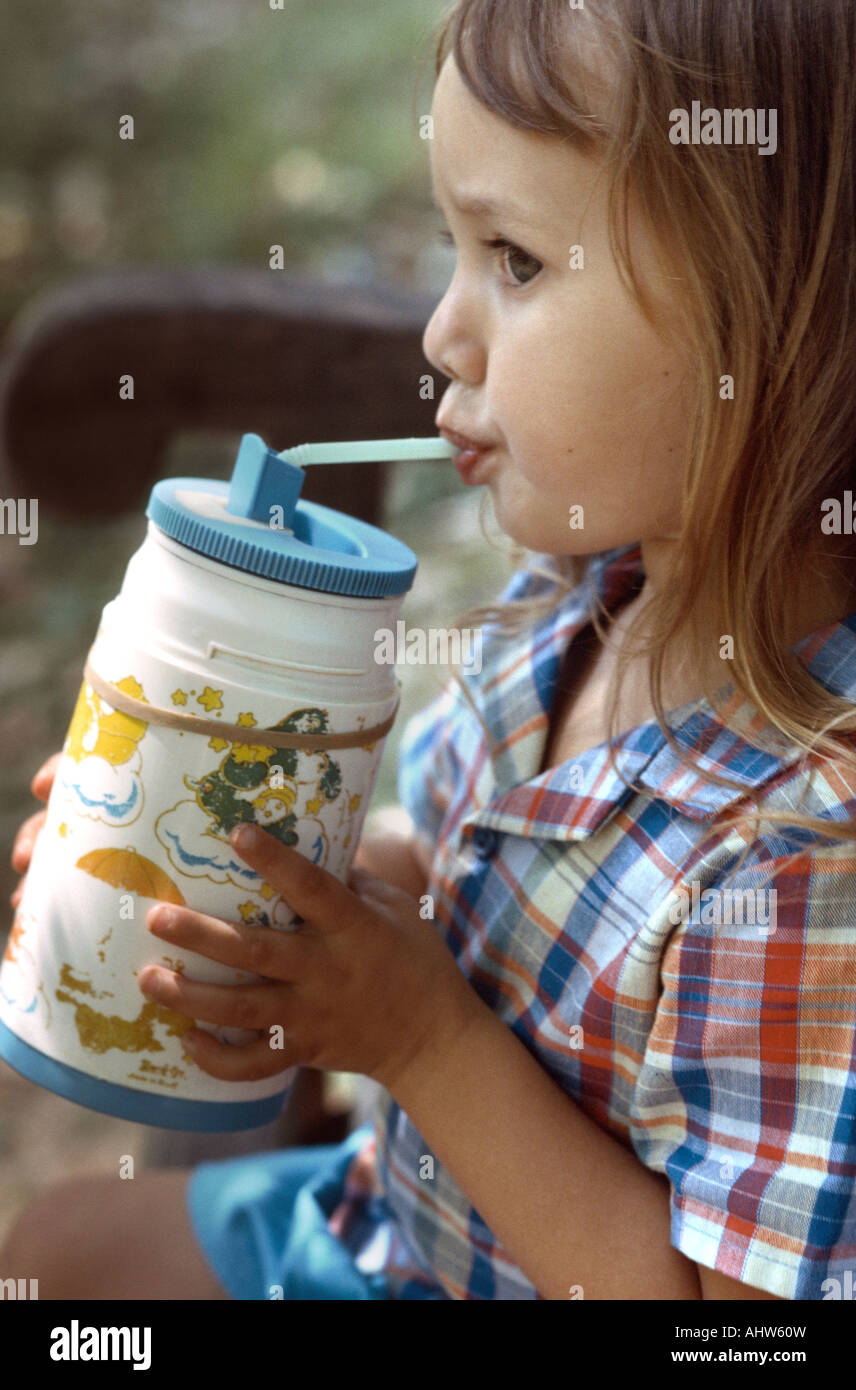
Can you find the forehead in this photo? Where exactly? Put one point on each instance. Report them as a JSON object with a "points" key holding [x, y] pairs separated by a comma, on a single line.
{"points": [[474, 151]]}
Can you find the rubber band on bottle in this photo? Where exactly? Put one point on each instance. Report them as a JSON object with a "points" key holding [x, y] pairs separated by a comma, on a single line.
{"points": [[234, 733]]}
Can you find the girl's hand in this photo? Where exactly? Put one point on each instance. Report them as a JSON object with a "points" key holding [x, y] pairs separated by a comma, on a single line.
{"points": [[22, 850], [364, 985]]}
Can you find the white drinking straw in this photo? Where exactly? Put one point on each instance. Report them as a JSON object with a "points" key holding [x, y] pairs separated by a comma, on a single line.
{"points": [[370, 451]]}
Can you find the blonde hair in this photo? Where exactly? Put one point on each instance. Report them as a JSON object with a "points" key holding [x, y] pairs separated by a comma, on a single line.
{"points": [[765, 248]]}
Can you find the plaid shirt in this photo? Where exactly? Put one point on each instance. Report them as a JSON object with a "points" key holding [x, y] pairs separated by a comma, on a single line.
{"points": [[716, 1042]]}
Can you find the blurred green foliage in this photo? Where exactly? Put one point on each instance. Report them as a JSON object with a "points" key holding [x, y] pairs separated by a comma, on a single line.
{"points": [[252, 127]]}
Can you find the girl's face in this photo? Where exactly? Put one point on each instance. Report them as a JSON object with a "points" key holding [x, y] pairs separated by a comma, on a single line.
{"points": [[556, 366]]}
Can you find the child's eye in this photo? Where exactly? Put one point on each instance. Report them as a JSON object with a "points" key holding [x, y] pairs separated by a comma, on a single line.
{"points": [[503, 246], [508, 251]]}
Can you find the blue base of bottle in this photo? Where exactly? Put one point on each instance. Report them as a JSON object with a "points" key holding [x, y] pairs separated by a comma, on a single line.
{"points": [[205, 1116]]}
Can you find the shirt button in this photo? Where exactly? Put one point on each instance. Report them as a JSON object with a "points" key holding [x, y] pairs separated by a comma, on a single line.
{"points": [[485, 841]]}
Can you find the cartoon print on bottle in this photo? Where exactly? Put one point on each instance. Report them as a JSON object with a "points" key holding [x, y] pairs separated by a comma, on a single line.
{"points": [[21, 988], [287, 791], [100, 1030], [101, 771]]}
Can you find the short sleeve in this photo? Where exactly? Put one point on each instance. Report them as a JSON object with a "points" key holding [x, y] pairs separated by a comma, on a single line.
{"points": [[746, 1098]]}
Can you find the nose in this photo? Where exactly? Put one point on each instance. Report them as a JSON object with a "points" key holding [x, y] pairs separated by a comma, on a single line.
{"points": [[453, 342]]}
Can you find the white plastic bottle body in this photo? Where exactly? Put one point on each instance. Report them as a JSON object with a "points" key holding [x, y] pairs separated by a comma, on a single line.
{"points": [[141, 811]]}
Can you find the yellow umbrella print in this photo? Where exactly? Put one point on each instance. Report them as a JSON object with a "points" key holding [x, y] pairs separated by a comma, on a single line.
{"points": [[125, 868]]}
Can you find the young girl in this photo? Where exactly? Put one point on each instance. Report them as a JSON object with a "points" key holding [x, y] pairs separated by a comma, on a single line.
{"points": [[618, 1062]]}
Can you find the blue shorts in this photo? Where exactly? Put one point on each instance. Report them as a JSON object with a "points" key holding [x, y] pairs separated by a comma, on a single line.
{"points": [[261, 1222]]}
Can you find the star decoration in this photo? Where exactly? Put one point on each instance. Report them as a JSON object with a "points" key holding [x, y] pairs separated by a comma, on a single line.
{"points": [[210, 699], [251, 752]]}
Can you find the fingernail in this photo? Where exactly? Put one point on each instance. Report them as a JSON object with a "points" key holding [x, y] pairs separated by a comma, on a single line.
{"points": [[162, 919], [245, 836]]}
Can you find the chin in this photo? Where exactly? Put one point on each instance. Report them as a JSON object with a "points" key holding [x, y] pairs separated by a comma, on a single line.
{"points": [[538, 538]]}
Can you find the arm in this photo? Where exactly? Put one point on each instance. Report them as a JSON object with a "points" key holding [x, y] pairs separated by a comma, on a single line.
{"points": [[453, 1101], [388, 848], [571, 1205], [366, 986], [716, 1285]]}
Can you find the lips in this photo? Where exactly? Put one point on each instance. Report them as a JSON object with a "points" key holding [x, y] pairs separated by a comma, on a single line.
{"points": [[465, 442]]}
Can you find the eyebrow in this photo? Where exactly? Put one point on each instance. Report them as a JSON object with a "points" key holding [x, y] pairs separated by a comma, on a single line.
{"points": [[489, 207]]}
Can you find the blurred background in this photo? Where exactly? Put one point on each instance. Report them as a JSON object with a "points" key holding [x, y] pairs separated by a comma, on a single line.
{"points": [[297, 126]]}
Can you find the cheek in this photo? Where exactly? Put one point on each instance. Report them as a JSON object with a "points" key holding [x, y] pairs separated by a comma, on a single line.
{"points": [[589, 398], [563, 380], [537, 400]]}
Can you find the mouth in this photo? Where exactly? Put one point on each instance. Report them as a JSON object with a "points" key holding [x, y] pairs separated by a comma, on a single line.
{"points": [[472, 455], [466, 443]]}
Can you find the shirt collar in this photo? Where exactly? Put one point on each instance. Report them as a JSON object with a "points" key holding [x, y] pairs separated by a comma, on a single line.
{"points": [[571, 801]]}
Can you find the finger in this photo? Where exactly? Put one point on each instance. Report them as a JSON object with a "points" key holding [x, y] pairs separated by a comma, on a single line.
{"points": [[232, 1006], [44, 778], [253, 1061], [374, 892], [18, 894], [368, 885], [280, 955], [22, 850], [360, 877], [316, 895]]}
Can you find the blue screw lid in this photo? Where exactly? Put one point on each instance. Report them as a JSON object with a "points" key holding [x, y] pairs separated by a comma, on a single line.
{"points": [[258, 525]]}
